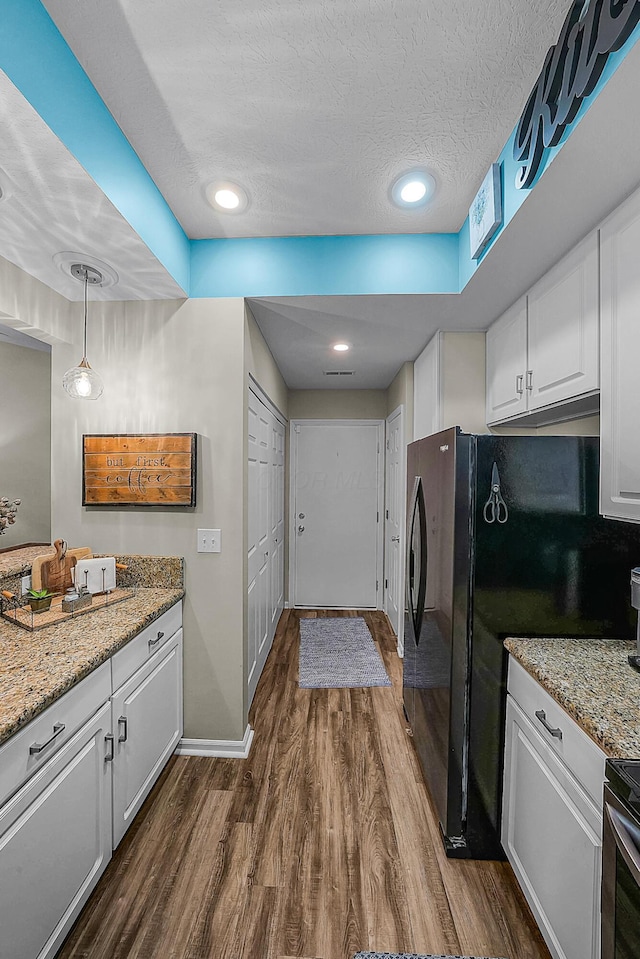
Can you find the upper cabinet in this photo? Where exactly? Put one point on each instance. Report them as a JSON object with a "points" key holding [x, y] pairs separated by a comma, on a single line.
{"points": [[449, 384], [543, 353], [620, 449]]}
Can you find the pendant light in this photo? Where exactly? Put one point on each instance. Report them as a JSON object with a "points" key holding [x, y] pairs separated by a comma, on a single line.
{"points": [[81, 381]]}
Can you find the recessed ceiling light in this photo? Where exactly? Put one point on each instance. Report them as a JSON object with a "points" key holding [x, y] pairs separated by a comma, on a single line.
{"points": [[227, 197], [413, 189], [341, 347]]}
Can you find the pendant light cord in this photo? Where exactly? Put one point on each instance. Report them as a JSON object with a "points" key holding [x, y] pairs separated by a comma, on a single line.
{"points": [[84, 340]]}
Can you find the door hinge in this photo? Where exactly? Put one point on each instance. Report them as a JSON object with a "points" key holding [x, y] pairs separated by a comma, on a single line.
{"points": [[386, 584], [387, 514], [296, 428], [377, 585], [378, 516]]}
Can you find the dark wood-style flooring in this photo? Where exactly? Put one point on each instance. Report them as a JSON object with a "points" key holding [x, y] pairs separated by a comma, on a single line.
{"points": [[321, 844]]}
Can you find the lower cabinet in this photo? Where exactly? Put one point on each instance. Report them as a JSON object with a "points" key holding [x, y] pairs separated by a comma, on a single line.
{"points": [[55, 843], [552, 835], [147, 720], [75, 777]]}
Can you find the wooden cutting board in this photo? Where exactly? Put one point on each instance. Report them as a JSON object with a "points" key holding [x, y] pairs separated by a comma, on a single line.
{"points": [[53, 570]]}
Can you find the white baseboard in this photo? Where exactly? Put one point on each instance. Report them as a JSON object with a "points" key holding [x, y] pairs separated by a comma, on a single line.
{"points": [[222, 748]]}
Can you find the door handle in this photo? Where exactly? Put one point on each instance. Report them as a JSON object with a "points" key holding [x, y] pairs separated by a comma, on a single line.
{"points": [[395, 539]]}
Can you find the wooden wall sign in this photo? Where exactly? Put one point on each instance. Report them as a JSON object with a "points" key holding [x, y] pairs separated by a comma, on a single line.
{"points": [[591, 32], [139, 469]]}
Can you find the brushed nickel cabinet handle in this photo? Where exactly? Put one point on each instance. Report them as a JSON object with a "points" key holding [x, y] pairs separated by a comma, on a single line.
{"points": [[36, 748], [123, 729], [154, 642], [542, 716], [529, 379], [109, 742], [520, 384]]}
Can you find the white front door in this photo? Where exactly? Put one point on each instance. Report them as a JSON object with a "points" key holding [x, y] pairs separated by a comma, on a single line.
{"points": [[394, 523], [336, 505]]}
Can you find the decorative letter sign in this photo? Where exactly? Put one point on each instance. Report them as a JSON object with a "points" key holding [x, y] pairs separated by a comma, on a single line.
{"points": [[139, 469], [593, 30]]}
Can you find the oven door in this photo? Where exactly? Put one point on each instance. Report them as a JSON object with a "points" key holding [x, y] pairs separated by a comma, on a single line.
{"points": [[620, 881]]}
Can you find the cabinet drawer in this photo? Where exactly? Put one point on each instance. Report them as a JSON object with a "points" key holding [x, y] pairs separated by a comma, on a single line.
{"points": [[584, 759], [146, 644], [18, 762]]}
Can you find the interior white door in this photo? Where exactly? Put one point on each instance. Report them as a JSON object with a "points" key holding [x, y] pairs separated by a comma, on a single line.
{"points": [[265, 533], [394, 523], [336, 492]]}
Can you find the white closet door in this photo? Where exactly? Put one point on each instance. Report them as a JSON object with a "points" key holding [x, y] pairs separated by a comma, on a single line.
{"points": [[265, 534]]}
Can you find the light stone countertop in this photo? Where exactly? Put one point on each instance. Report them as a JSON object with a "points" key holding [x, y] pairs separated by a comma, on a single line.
{"points": [[36, 668], [593, 681]]}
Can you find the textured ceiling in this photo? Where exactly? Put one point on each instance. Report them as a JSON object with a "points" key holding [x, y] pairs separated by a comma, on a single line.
{"points": [[313, 107], [50, 205]]}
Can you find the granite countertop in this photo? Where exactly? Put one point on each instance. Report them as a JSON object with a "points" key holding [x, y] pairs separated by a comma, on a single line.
{"points": [[36, 668], [593, 681]]}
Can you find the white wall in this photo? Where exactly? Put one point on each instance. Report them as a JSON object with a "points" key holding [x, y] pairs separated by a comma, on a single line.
{"points": [[25, 442], [167, 366]]}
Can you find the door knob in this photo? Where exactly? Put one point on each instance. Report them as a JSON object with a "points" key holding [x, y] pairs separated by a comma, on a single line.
{"points": [[300, 515], [395, 539], [301, 529]]}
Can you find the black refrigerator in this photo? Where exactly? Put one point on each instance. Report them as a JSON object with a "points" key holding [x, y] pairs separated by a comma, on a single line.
{"points": [[503, 539]]}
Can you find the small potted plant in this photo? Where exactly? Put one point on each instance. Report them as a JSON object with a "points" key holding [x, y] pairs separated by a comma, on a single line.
{"points": [[39, 600]]}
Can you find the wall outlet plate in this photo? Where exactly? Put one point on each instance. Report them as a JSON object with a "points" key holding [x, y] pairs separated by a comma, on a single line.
{"points": [[209, 541]]}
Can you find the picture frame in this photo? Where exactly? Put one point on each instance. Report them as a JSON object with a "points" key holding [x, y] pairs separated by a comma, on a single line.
{"points": [[139, 470], [485, 213]]}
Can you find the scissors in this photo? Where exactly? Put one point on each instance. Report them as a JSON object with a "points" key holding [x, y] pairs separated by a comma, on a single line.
{"points": [[495, 509]]}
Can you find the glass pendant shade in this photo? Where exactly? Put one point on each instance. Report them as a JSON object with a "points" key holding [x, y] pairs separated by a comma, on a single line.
{"points": [[81, 382]]}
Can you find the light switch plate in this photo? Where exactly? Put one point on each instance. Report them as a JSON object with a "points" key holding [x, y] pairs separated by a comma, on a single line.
{"points": [[209, 541]]}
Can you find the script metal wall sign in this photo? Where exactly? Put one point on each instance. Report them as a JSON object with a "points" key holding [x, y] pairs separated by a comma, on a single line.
{"points": [[593, 30], [139, 469]]}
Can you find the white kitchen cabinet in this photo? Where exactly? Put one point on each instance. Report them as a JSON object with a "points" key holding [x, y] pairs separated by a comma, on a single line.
{"points": [[147, 727], [507, 364], [265, 534], [55, 842], [552, 822], [620, 413], [543, 355], [449, 384]]}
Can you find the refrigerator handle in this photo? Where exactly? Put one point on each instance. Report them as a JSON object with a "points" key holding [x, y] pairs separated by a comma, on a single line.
{"points": [[416, 601]]}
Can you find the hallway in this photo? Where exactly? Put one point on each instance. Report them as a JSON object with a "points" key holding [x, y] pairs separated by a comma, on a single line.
{"points": [[321, 844]]}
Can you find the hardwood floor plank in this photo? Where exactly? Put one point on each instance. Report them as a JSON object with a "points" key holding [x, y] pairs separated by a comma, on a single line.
{"points": [[321, 844]]}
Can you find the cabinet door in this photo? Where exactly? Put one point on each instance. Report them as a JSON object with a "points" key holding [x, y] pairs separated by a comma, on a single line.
{"points": [[147, 726], [507, 364], [55, 842], [551, 833], [564, 329], [620, 395], [427, 400]]}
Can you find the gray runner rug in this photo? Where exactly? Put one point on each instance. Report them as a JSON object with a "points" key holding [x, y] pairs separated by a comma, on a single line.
{"points": [[339, 652], [406, 955]]}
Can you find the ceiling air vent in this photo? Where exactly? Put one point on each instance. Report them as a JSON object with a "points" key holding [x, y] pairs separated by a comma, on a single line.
{"points": [[338, 372]]}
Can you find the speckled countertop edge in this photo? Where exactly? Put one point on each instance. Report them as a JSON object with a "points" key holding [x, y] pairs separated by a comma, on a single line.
{"points": [[37, 668], [593, 681]]}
